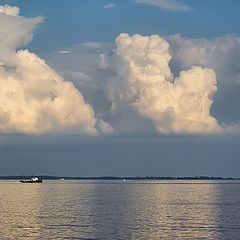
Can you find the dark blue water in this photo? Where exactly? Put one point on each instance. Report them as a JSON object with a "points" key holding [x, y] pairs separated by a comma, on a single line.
{"points": [[120, 210]]}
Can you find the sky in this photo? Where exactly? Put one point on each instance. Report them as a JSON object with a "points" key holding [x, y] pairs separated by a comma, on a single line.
{"points": [[126, 88]]}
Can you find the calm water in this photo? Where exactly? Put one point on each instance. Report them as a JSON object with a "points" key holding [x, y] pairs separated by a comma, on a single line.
{"points": [[120, 210]]}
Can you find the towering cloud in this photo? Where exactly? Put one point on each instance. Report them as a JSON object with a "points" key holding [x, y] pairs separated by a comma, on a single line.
{"points": [[131, 86], [180, 105], [34, 98]]}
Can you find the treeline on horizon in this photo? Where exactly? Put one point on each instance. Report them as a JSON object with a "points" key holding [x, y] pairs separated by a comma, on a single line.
{"points": [[46, 177]]}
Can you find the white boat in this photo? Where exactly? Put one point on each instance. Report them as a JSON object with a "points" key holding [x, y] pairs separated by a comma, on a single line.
{"points": [[32, 180]]}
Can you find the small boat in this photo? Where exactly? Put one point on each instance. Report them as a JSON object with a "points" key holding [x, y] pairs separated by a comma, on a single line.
{"points": [[32, 180]]}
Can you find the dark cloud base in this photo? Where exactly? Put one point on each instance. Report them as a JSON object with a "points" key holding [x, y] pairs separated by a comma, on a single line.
{"points": [[120, 156]]}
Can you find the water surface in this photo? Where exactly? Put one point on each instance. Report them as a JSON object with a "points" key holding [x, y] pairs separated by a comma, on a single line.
{"points": [[120, 210]]}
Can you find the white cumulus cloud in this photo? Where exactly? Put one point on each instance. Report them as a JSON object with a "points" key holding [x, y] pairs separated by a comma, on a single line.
{"points": [[222, 54], [9, 10], [103, 79], [35, 99], [146, 83]]}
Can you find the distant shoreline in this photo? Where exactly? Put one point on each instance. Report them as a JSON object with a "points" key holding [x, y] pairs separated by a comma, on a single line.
{"points": [[46, 177]]}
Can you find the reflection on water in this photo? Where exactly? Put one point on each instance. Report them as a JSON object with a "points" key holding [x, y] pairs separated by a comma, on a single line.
{"points": [[119, 210]]}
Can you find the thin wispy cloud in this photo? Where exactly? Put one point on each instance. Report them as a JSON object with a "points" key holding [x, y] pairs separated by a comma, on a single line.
{"points": [[63, 52], [109, 5], [166, 4]]}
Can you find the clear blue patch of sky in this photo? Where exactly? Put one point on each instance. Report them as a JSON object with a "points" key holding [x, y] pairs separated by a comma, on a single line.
{"points": [[68, 22]]}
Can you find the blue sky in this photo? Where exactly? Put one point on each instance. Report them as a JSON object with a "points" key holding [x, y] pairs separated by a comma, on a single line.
{"points": [[77, 38], [72, 22]]}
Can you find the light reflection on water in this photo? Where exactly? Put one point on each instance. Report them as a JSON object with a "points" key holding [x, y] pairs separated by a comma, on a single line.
{"points": [[119, 210]]}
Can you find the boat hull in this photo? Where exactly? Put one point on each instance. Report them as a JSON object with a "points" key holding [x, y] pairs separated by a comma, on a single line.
{"points": [[30, 181]]}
